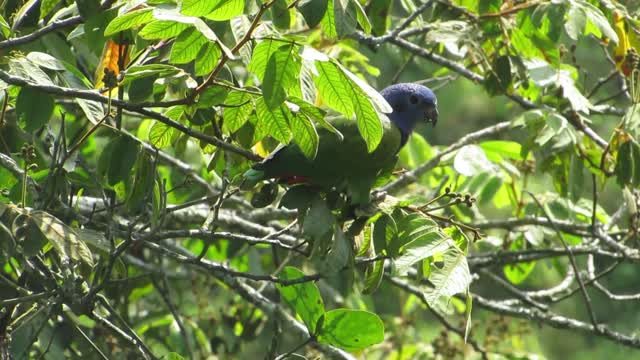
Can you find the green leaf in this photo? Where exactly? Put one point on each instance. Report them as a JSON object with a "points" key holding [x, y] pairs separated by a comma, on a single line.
{"points": [[471, 160], [495, 150], [298, 197], [351, 330], [129, 20], [162, 29], [316, 114], [281, 14], [369, 123], [276, 121], [212, 96], [581, 14], [117, 159], [261, 55], [518, 272], [343, 17], [46, 6], [304, 298], [141, 183], [305, 135], [571, 92], [628, 163], [162, 135], [186, 46], [282, 72], [379, 15], [226, 9], [240, 106], [63, 238], [373, 277], [46, 61], [409, 228], [159, 70], [141, 89], [25, 12], [576, 178], [361, 16], [207, 59], [452, 278], [28, 235], [426, 241], [329, 20], [313, 11], [33, 108], [198, 7], [319, 220], [24, 68], [23, 335], [334, 88]]}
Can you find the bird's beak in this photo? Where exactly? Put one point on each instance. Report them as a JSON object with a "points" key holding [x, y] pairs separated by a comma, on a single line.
{"points": [[431, 114]]}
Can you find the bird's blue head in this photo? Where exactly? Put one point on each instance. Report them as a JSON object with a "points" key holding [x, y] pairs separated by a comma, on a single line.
{"points": [[411, 103]]}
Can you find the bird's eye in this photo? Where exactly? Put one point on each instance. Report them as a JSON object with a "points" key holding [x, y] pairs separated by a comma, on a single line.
{"points": [[413, 99]]}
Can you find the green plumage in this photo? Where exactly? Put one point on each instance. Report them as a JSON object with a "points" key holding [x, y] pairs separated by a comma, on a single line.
{"points": [[345, 164]]}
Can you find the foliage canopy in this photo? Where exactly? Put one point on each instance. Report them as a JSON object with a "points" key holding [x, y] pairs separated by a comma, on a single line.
{"points": [[126, 126]]}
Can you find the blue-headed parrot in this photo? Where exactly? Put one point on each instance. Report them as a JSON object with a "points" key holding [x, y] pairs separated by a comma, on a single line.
{"points": [[346, 164]]}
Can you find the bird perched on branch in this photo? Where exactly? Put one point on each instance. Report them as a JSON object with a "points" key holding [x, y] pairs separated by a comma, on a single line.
{"points": [[345, 163]]}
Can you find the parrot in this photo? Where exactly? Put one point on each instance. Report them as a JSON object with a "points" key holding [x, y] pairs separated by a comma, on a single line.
{"points": [[346, 164]]}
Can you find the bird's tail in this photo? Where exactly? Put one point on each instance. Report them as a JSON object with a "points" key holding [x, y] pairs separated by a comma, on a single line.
{"points": [[251, 178]]}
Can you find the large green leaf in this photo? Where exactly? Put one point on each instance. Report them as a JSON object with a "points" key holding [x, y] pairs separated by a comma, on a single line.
{"points": [[350, 330], [304, 297], [34, 108], [282, 72], [226, 9], [187, 46], [129, 20], [313, 11], [584, 18], [427, 241], [276, 120], [319, 220], [207, 59], [305, 135], [239, 107], [162, 29], [452, 277], [162, 135]]}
